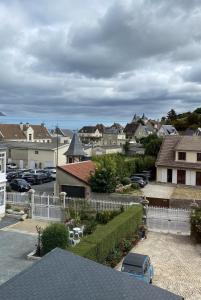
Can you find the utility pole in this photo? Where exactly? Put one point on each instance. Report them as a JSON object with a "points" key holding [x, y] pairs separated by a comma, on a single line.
{"points": [[57, 144]]}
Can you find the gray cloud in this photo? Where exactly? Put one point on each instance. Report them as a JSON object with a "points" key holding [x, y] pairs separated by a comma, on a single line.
{"points": [[103, 60]]}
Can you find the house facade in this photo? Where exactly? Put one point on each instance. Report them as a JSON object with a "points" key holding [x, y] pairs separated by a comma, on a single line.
{"points": [[179, 160], [135, 131], [25, 133], [113, 136], [90, 134], [2, 181], [62, 135], [36, 155]]}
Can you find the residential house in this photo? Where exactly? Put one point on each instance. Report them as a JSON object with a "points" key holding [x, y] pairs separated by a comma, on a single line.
{"points": [[36, 155], [61, 135], [73, 179], [113, 136], [179, 160], [135, 131], [167, 130], [90, 134], [198, 132], [25, 133], [62, 275], [2, 180]]}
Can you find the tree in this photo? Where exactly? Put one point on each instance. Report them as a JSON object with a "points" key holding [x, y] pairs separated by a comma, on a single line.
{"points": [[171, 115], [153, 147], [104, 180]]}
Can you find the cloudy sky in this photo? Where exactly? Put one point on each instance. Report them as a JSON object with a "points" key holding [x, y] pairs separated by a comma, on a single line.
{"points": [[81, 62]]}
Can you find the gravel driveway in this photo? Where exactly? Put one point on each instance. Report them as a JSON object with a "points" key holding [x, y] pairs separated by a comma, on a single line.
{"points": [[176, 261]]}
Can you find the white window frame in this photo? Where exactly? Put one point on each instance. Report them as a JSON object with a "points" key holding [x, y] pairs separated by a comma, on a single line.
{"points": [[2, 162], [2, 195]]}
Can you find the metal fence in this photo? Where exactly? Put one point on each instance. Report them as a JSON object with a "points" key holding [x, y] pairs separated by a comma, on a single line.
{"points": [[17, 198], [168, 220]]}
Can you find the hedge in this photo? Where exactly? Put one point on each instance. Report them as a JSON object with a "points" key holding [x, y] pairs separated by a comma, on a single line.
{"points": [[98, 245], [196, 225]]}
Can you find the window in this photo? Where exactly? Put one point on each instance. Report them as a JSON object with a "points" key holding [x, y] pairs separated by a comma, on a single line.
{"points": [[181, 155], [169, 175], [198, 178], [198, 156], [36, 152], [30, 137], [2, 195], [2, 162]]}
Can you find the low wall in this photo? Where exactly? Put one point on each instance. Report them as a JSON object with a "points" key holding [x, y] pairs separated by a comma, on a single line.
{"points": [[182, 203], [116, 197]]}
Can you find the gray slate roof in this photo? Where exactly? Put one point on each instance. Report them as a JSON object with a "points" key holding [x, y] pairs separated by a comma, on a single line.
{"points": [[61, 275], [75, 148], [30, 145]]}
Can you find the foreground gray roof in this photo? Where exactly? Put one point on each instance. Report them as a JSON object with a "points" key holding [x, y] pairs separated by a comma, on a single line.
{"points": [[61, 275], [75, 148]]}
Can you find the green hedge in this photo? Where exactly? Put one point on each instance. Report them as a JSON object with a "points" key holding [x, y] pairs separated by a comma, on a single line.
{"points": [[196, 225], [98, 245]]}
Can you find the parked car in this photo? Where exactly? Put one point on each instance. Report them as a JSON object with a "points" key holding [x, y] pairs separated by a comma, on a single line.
{"points": [[138, 180], [11, 175], [20, 185], [143, 176], [148, 173], [11, 166], [29, 177], [52, 171], [138, 266]]}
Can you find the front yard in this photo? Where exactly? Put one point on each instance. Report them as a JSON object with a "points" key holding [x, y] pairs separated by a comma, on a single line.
{"points": [[176, 261]]}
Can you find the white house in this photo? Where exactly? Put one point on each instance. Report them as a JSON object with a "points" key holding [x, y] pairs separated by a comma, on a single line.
{"points": [[167, 130], [179, 160], [2, 181]]}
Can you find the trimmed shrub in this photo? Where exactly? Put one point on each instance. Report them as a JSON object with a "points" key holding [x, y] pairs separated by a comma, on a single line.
{"points": [[126, 181], [54, 235], [105, 238]]}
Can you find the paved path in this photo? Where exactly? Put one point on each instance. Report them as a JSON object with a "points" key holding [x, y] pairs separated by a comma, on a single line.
{"points": [[7, 221], [27, 226], [13, 250], [154, 190], [176, 261]]}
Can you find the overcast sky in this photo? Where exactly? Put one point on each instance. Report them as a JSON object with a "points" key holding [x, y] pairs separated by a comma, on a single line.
{"points": [[79, 62]]}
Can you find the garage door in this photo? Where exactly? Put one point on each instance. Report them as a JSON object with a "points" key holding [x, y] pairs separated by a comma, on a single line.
{"points": [[74, 191]]}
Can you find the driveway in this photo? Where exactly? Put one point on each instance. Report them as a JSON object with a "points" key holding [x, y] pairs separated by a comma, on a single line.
{"points": [[155, 190], [14, 247], [176, 261]]}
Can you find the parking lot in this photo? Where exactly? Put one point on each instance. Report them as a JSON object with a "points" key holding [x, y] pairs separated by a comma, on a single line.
{"points": [[176, 261]]}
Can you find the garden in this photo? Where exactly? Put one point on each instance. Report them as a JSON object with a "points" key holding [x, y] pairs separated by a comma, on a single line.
{"points": [[107, 235], [114, 170]]}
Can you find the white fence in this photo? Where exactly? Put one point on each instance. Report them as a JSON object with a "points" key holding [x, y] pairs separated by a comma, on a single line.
{"points": [[52, 208], [168, 220]]}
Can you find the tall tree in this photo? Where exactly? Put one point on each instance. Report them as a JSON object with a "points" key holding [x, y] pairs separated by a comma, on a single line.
{"points": [[171, 115]]}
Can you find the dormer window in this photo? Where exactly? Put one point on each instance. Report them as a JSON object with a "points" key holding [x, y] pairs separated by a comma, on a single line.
{"points": [[199, 156], [181, 155]]}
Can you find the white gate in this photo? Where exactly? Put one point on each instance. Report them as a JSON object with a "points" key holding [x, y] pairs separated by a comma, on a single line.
{"points": [[168, 220], [46, 207]]}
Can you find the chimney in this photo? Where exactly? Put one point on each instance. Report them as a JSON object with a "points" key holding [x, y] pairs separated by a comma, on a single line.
{"points": [[42, 124], [27, 125], [21, 125]]}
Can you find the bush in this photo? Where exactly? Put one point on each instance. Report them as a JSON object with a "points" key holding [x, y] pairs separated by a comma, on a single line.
{"points": [[114, 257], [90, 226], [8, 189], [126, 181], [135, 186], [196, 225], [8, 206], [105, 238], [54, 235]]}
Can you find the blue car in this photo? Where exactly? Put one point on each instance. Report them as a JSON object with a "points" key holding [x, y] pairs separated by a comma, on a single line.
{"points": [[138, 266]]}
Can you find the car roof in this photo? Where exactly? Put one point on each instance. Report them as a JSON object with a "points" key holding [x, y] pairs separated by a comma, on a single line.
{"points": [[135, 259]]}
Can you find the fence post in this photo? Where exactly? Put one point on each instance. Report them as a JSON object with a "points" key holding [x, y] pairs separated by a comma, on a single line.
{"points": [[145, 204], [31, 202], [63, 199]]}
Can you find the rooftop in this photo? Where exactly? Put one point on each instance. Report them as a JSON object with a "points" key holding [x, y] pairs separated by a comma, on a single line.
{"points": [[30, 145], [80, 170], [75, 148], [61, 275]]}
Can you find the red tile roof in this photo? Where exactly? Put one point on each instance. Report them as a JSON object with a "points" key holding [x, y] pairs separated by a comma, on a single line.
{"points": [[80, 170]]}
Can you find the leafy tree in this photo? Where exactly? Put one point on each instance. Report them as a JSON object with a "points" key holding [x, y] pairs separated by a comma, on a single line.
{"points": [[198, 110], [103, 180], [153, 147]]}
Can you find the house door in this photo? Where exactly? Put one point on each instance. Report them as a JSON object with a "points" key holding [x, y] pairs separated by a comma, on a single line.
{"points": [[169, 175], [198, 178], [181, 176]]}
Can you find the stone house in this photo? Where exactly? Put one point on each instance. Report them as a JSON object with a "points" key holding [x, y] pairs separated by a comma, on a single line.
{"points": [[113, 136], [63, 135], [2, 180], [135, 131], [90, 134], [179, 160], [25, 133]]}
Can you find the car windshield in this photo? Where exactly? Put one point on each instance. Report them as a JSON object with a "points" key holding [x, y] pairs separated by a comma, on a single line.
{"points": [[21, 181], [132, 269]]}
